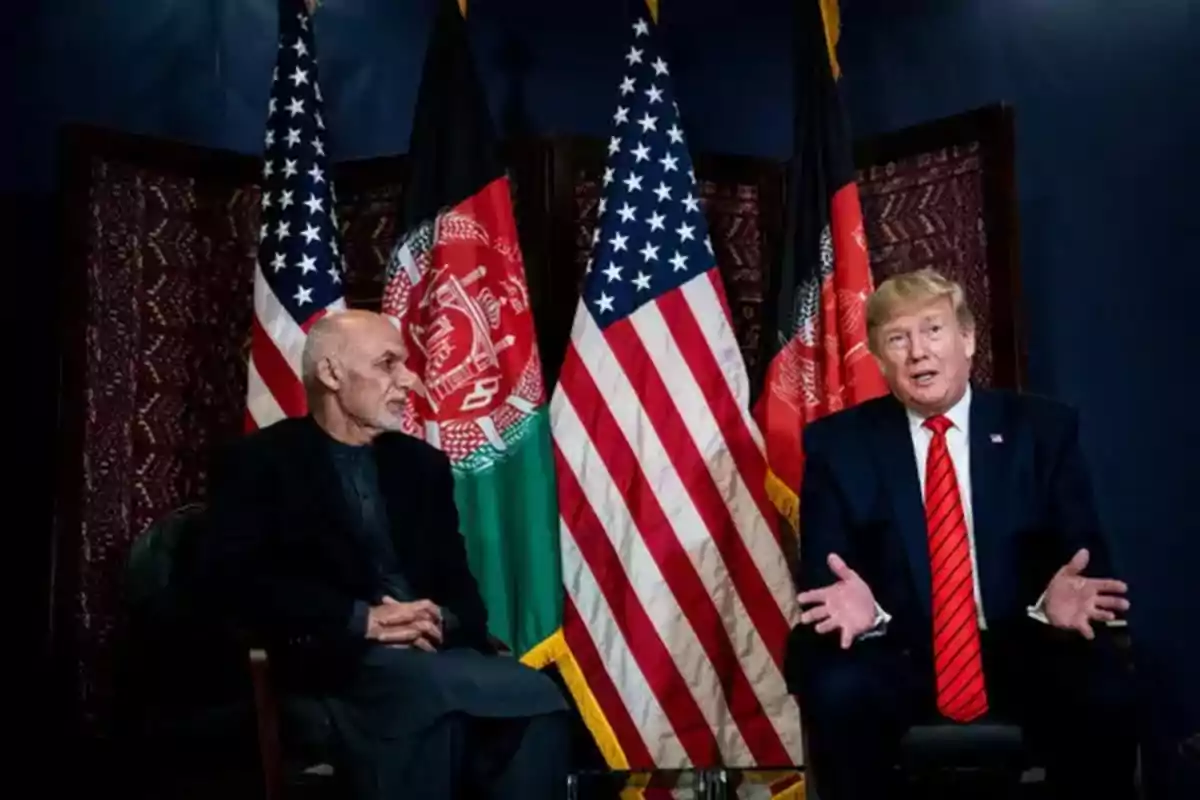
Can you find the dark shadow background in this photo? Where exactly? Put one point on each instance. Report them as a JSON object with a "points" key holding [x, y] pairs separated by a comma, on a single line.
{"points": [[1107, 110]]}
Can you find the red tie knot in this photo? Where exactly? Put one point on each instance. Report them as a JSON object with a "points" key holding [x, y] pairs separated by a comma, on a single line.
{"points": [[939, 424]]}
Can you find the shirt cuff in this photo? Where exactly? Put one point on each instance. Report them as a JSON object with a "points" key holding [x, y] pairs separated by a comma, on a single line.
{"points": [[879, 626], [356, 626], [1038, 610]]}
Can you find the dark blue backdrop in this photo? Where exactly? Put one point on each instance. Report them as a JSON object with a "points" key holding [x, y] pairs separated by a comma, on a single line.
{"points": [[1106, 107]]}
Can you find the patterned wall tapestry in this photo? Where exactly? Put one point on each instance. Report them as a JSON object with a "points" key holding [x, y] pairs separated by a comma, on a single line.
{"points": [[160, 270], [162, 242], [940, 195], [925, 211]]}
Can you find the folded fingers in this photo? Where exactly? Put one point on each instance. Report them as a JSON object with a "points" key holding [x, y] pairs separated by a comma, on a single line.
{"points": [[815, 614], [829, 624], [1112, 603]]}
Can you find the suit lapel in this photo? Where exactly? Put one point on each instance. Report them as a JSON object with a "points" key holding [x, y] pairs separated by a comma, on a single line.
{"points": [[904, 490], [991, 448]]}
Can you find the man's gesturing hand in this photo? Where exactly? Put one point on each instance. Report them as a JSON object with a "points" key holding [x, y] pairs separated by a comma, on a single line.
{"points": [[415, 624], [1072, 601], [846, 605]]}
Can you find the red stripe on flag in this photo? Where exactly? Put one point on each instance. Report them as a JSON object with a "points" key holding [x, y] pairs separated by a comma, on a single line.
{"points": [[700, 359], [314, 319], [750, 460], [583, 650], [587, 658], [655, 399], [718, 283], [645, 644], [277, 375]]}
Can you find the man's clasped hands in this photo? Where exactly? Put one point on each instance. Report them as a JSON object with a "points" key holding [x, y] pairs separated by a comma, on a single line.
{"points": [[414, 624]]}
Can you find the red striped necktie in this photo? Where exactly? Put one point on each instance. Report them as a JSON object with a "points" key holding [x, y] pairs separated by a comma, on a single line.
{"points": [[957, 658]]}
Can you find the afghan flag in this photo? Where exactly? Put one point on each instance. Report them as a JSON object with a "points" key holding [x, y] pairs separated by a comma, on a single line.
{"points": [[456, 283], [819, 360]]}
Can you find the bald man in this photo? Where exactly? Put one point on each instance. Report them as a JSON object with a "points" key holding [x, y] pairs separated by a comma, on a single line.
{"points": [[335, 538]]}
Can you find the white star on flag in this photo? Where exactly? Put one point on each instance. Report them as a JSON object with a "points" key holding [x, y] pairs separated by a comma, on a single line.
{"points": [[299, 274]]}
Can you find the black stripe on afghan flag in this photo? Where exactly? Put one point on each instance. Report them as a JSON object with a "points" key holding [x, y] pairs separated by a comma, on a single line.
{"points": [[452, 147], [822, 164]]}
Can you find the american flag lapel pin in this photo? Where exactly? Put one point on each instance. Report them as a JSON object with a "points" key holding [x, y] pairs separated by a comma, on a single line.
{"points": [[997, 438]]}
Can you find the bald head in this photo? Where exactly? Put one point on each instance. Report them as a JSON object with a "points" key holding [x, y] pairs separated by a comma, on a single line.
{"points": [[353, 369], [328, 339]]}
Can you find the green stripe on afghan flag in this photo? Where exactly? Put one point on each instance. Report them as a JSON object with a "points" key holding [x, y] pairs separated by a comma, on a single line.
{"points": [[456, 282]]}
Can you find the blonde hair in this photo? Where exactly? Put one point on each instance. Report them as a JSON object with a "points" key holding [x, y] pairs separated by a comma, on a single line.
{"points": [[909, 290]]}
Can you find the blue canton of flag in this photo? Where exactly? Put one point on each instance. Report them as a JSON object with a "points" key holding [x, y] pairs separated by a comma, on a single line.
{"points": [[299, 257], [651, 236]]}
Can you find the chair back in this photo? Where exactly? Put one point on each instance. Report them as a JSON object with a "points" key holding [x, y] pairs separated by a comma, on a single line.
{"points": [[153, 593], [173, 640]]}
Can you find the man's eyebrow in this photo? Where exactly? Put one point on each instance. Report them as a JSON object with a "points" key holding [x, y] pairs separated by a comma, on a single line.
{"points": [[392, 352]]}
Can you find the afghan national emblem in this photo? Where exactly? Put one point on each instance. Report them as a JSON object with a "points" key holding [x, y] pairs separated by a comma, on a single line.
{"points": [[457, 285]]}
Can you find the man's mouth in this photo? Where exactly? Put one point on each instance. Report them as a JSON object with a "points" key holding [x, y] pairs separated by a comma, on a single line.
{"points": [[924, 377]]}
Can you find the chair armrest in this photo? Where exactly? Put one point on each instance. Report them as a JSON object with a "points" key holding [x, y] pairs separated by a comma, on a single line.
{"points": [[266, 711]]}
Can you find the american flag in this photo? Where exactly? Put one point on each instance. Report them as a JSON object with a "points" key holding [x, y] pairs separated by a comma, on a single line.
{"points": [[300, 265], [678, 594]]}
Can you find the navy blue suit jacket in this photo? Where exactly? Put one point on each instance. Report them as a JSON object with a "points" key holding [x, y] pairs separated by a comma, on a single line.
{"points": [[1031, 500]]}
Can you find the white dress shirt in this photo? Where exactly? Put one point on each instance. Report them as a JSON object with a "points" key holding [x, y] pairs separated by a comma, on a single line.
{"points": [[958, 442]]}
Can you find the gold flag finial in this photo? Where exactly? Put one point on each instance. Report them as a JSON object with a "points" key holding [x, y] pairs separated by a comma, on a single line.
{"points": [[462, 6], [312, 6], [653, 6]]}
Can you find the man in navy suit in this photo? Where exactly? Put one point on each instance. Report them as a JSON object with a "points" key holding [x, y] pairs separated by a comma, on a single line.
{"points": [[952, 567]]}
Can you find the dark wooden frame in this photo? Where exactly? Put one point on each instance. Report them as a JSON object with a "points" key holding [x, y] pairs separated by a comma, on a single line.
{"points": [[79, 146], [993, 128]]}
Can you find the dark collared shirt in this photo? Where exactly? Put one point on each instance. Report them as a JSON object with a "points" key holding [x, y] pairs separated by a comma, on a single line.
{"points": [[357, 471]]}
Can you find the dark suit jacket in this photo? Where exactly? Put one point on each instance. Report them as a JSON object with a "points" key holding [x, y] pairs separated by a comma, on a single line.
{"points": [[1031, 501], [280, 559]]}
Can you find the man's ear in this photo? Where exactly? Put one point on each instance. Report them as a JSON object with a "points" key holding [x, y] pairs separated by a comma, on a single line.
{"points": [[330, 373], [878, 357], [969, 341]]}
